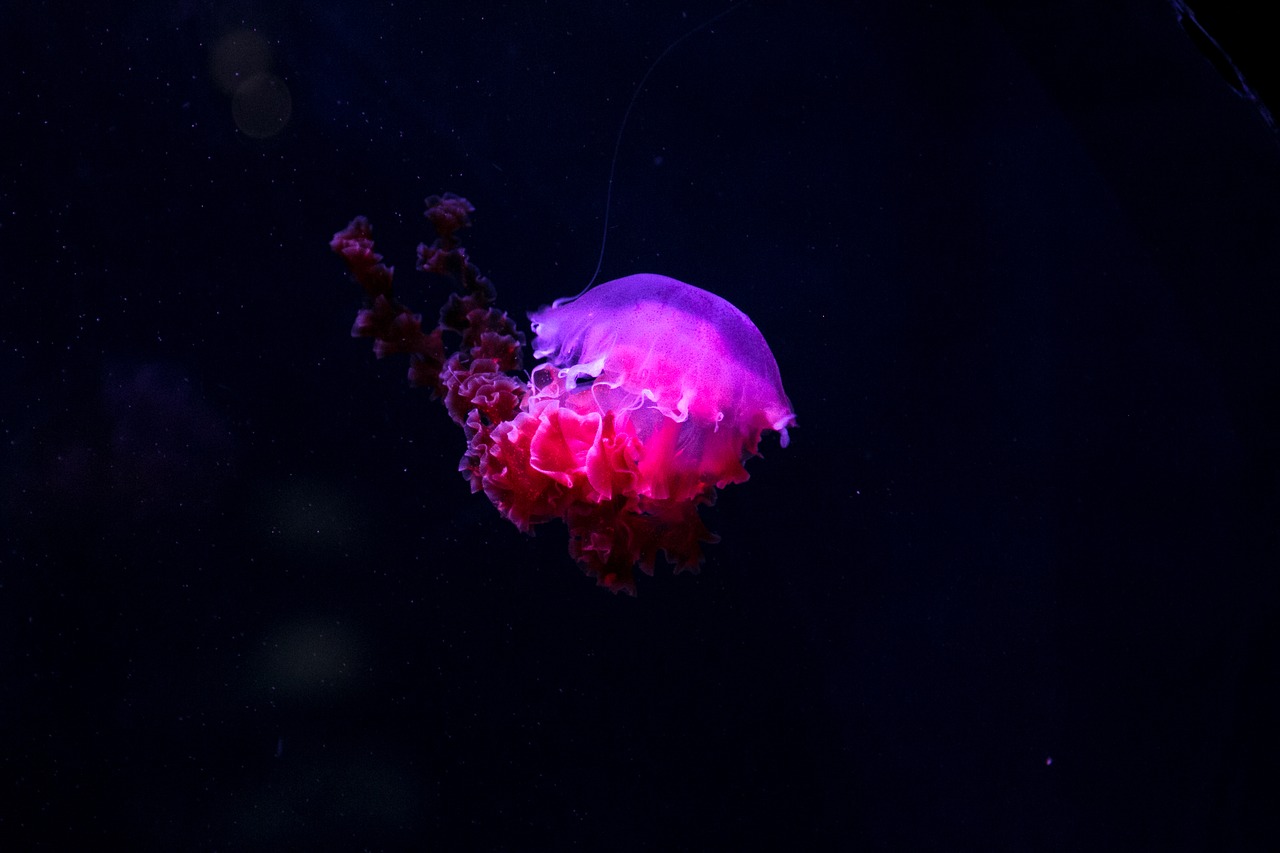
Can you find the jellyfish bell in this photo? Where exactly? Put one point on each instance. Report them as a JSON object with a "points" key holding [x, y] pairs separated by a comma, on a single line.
{"points": [[682, 370]]}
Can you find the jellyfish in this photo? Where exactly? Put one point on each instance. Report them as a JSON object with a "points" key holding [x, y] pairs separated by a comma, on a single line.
{"points": [[650, 396]]}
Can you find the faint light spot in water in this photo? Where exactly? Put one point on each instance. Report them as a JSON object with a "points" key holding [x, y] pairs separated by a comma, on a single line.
{"points": [[307, 658], [240, 65], [261, 106], [238, 56]]}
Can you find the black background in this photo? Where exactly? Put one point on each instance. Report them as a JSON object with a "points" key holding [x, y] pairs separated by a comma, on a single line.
{"points": [[1011, 587]]}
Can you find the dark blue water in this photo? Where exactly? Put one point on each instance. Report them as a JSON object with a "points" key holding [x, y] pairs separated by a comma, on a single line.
{"points": [[1011, 587]]}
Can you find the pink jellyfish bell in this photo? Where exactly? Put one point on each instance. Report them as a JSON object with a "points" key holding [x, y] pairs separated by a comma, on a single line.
{"points": [[683, 372]]}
